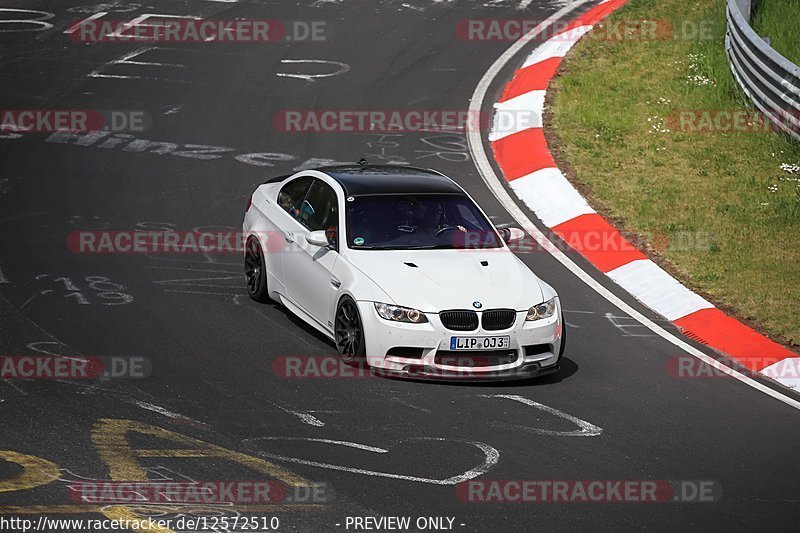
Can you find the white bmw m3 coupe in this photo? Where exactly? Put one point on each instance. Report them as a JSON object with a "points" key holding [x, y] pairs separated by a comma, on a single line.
{"points": [[403, 271]]}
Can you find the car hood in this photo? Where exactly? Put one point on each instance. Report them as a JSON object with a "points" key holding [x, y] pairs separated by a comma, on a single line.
{"points": [[434, 280]]}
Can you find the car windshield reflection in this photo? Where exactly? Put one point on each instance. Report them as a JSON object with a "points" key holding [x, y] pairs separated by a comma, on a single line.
{"points": [[417, 222]]}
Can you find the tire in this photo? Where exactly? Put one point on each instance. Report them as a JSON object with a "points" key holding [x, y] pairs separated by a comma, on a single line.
{"points": [[349, 333], [255, 271]]}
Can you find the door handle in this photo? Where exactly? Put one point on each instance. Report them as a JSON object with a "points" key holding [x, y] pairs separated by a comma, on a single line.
{"points": [[289, 237]]}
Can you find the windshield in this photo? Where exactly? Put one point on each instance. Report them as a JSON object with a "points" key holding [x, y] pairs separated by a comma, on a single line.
{"points": [[408, 222]]}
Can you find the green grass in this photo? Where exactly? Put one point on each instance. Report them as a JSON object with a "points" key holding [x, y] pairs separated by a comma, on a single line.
{"points": [[780, 21], [730, 213]]}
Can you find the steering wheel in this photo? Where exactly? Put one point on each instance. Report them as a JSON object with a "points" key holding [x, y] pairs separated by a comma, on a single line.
{"points": [[445, 228]]}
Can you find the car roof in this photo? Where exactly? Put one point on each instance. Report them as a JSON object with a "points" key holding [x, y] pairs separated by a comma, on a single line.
{"points": [[359, 180]]}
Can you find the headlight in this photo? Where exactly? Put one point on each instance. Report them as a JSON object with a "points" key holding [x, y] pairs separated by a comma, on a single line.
{"points": [[542, 310], [400, 314]]}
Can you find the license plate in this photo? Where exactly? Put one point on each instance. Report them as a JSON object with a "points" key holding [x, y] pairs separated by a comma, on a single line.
{"points": [[480, 343]]}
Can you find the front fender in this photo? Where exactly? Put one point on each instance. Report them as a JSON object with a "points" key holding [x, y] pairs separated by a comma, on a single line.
{"points": [[357, 285]]}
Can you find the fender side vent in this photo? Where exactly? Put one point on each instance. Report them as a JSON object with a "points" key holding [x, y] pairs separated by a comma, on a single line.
{"points": [[412, 265]]}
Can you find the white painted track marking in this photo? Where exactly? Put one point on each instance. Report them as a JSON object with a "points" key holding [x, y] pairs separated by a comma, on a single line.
{"points": [[195, 281], [127, 60], [305, 418], [75, 27], [349, 444], [475, 142], [491, 457], [162, 411], [586, 429], [157, 409], [204, 292], [341, 69], [39, 22]]}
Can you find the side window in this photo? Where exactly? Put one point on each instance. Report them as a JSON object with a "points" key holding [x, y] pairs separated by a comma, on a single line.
{"points": [[291, 196], [319, 210]]}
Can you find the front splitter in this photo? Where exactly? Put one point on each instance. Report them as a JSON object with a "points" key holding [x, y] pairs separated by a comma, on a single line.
{"points": [[429, 373]]}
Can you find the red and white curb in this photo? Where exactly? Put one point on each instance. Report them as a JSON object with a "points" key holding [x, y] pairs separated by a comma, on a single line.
{"points": [[517, 140]]}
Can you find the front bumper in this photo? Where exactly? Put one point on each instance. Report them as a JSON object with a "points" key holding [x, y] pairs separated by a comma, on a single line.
{"points": [[535, 346], [524, 371]]}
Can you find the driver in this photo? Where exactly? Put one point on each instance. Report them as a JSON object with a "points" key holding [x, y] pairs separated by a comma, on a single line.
{"points": [[429, 218]]}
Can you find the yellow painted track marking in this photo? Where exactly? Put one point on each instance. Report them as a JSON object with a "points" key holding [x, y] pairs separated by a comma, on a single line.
{"points": [[36, 471], [110, 437]]}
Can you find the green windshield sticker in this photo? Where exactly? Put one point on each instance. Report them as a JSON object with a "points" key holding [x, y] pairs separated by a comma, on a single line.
{"points": [[358, 241]]}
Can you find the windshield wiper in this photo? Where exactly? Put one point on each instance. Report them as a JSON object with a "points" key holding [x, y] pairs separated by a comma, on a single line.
{"points": [[377, 248], [407, 247]]}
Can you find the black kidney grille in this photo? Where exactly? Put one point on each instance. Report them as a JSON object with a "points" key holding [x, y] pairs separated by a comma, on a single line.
{"points": [[459, 320], [495, 319]]}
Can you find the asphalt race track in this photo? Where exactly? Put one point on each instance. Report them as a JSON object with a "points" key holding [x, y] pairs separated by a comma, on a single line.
{"points": [[382, 447]]}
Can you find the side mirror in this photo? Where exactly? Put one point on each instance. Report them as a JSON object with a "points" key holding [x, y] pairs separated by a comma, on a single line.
{"points": [[332, 235], [510, 235], [317, 238]]}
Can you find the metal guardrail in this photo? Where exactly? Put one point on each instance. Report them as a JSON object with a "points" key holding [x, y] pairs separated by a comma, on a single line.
{"points": [[771, 81]]}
